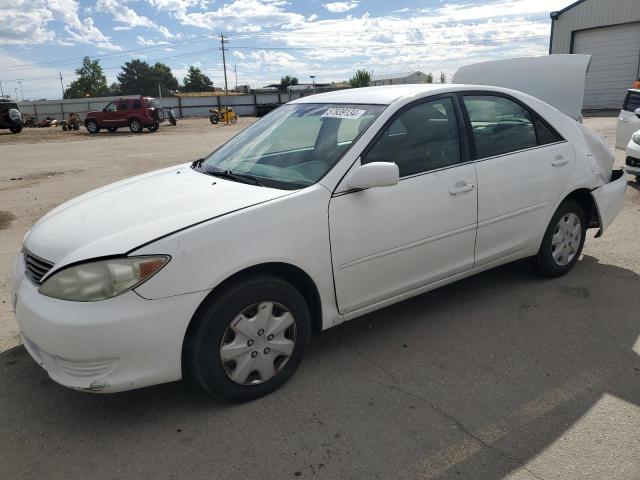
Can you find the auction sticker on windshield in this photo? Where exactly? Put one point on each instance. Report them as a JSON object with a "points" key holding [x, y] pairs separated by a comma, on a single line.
{"points": [[348, 113]]}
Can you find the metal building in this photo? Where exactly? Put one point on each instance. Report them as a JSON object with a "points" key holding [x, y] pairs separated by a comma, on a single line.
{"points": [[398, 78], [609, 30]]}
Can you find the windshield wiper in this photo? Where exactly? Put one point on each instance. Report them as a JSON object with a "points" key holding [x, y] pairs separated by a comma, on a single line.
{"points": [[228, 174], [236, 177]]}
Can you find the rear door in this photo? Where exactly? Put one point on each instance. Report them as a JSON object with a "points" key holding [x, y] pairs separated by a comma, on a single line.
{"points": [[523, 166], [122, 115], [628, 121]]}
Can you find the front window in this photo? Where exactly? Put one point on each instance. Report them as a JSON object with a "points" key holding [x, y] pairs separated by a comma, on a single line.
{"points": [[110, 108], [152, 103], [295, 145]]}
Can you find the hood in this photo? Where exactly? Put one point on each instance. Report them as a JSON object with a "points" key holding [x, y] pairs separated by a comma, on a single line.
{"points": [[558, 80], [122, 216]]}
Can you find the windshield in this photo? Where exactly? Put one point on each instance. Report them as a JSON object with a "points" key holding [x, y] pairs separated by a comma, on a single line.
{"points": [[295, 145]]}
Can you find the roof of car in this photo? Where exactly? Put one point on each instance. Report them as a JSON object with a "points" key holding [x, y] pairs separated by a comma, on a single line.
{"points": [[383, 95]]}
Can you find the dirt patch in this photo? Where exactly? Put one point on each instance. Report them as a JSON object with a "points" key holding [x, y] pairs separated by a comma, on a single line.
{"points": [[5, 219]]}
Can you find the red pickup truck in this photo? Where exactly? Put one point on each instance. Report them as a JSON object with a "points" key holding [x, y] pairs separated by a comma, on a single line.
{"points": [[135, 113]]}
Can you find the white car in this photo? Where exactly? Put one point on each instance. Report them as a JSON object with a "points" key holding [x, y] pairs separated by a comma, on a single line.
{"points": [[632, 161], [330, 207], [628, 119]]}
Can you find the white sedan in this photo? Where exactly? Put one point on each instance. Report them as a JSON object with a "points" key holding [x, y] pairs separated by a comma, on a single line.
{"points": [[632, 161], [330, 207]]}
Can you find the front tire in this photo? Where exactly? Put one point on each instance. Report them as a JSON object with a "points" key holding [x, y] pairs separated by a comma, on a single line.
{"points": [[248, 340], [15, 129], [135, 126], [153, 127], [92, 126], [214, 119], [563, 240]]}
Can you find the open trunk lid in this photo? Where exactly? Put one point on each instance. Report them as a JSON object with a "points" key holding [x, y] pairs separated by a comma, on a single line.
{"points": [[558, 80]]}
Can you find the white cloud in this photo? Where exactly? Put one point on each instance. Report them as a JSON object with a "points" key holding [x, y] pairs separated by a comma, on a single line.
{"points": [[178, 5], [29, 22], [338, 7], [243, 16], [150, 43], [128, 17]]}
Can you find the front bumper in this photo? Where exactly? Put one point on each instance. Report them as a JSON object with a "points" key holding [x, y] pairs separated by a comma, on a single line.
{"points": [[113, 345], [609, 199]]}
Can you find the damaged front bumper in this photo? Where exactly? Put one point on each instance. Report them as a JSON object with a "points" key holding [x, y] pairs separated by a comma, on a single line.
{"points": [[609, 199]]}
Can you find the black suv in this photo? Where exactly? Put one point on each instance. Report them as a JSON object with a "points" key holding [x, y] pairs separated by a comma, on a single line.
{"points": [[10, 116]]}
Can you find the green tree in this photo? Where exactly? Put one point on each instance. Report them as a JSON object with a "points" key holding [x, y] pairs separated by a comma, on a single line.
{"points": [[139, 78], [114, 89], [362, 78], [91, 81], [196, 81], [287, 81], [443, 78], [429, 77], [164, 77]]}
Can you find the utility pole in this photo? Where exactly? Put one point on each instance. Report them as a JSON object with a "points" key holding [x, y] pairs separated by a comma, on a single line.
{"points": [[1, 91], [313, 79], [235, 70], [21, 91], [61, 85], [224, 39]]}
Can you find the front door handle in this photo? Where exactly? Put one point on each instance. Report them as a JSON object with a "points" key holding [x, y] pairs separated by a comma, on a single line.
{"points": [[559, 161], [461, 187], [623, 119]]}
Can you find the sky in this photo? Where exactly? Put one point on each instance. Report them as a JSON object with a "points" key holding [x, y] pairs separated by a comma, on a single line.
{"points": [[268, 39]]}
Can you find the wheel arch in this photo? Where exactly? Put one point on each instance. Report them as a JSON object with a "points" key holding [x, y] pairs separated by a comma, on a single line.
{"points": [[585, 199], [292, 274]]}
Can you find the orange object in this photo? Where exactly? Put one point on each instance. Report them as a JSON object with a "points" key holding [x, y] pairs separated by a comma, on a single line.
{"points": [[636, 84]]}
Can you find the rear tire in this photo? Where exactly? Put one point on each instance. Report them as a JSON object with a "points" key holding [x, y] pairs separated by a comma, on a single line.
{"points": [[563, 240], [15, 129], [153, 127], [255, 366], [214, 119], [135, 126]]}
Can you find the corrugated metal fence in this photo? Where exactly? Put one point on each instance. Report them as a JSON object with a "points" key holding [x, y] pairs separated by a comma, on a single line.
{"points": [[244, 105]]}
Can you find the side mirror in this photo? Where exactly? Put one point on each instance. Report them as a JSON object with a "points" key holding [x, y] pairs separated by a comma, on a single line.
{"points": [[375, 174], [637, 112]]}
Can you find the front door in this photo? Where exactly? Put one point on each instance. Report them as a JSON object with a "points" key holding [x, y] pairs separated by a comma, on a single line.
{"points": [[392, 240]]}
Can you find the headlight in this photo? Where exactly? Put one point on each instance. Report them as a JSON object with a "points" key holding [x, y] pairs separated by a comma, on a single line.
{"points": [[94, 281], [636, 137]]}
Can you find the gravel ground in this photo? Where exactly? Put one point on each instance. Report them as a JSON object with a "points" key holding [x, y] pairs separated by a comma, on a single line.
{"points": [[502, 375]]}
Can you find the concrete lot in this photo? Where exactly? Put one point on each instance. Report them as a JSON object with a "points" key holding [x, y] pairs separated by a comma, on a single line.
{"points": [[503, 375]]}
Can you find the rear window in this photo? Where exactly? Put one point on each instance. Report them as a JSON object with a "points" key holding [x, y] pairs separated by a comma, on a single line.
{"points": [[4, 106], [632, 101], [152, 103]]}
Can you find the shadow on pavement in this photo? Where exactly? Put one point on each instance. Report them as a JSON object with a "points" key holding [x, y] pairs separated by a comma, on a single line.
{"points": [[472, 380]]}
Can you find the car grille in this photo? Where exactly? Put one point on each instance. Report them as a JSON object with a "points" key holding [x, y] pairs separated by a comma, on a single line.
{"points": [[36, 267]]}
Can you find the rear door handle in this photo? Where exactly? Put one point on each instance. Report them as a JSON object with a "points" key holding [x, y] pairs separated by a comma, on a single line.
{"points": [[559, 161], [466, 187]]}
